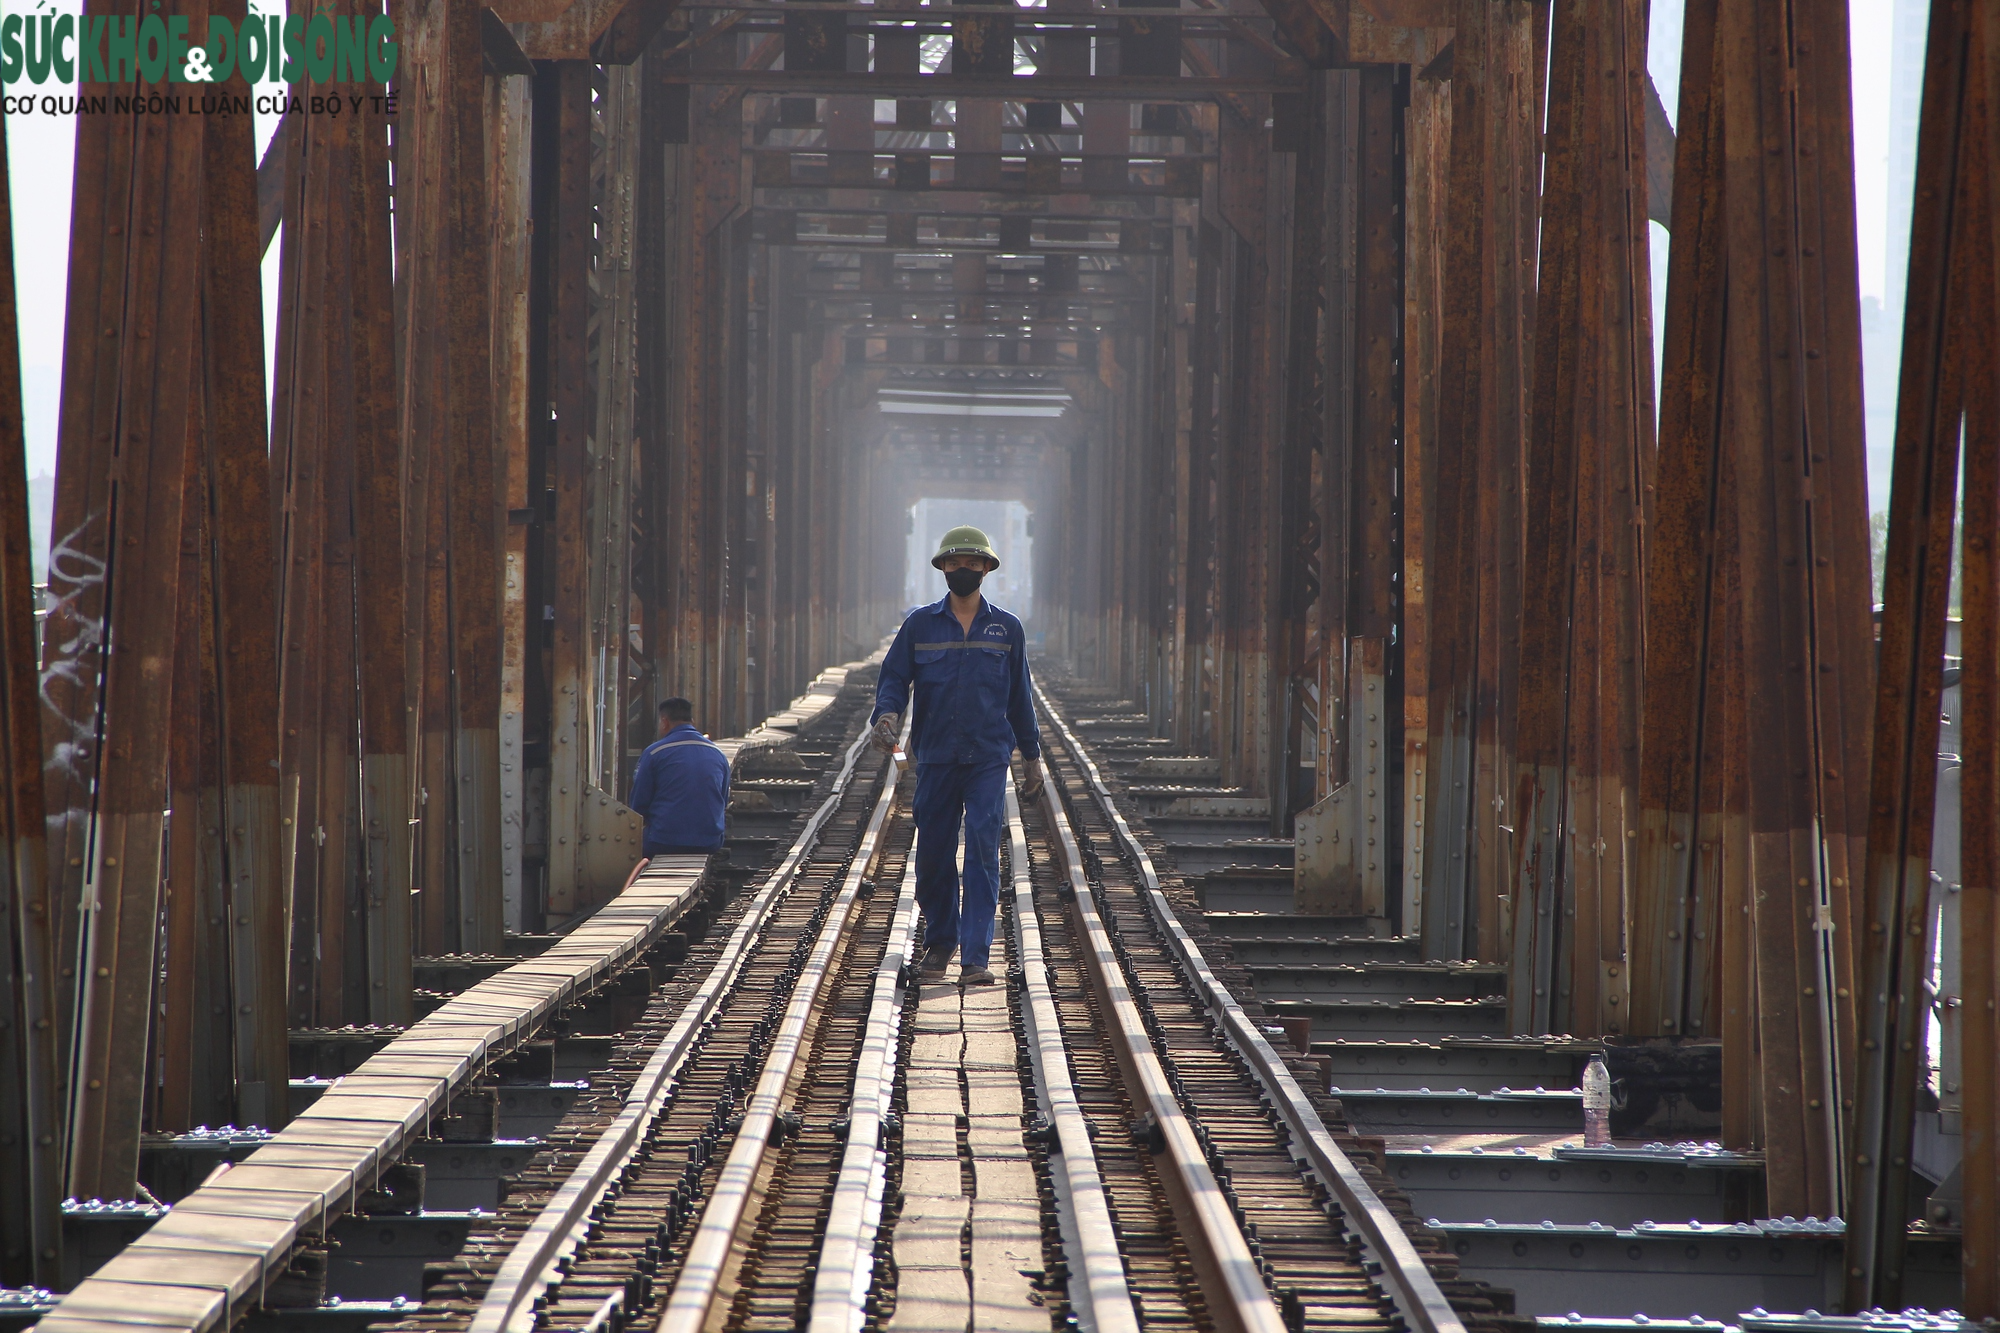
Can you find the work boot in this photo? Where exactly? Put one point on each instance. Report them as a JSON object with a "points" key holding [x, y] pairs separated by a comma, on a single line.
{"points": [[977, 976], [936, 958]]}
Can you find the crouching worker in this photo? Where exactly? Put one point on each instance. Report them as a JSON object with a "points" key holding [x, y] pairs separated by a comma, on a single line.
{"points": [[681, 787], [968, 660]]}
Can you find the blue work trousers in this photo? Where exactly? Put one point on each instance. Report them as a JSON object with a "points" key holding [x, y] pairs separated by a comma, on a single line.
{"points": [[945, 793]]}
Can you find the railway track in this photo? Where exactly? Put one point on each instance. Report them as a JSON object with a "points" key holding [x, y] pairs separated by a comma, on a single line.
{"points": [[796, 1131], [383, 1185], [1452, 1116], [849, 1147]]}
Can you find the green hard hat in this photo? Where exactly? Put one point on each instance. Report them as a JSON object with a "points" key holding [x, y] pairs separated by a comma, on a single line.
{"points": [[965, 541]]}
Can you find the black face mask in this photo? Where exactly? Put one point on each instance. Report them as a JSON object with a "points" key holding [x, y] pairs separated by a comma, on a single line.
{"points": [[964, 582]]}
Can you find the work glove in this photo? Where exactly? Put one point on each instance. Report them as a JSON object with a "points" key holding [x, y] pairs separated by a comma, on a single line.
{"points": [[888, 728], [1031, 784]]}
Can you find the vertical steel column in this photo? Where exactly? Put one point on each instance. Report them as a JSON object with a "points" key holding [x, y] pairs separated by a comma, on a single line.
{"points": [[1590, 464], [663, 134], [246, 625], [424, 167], [334, 463], [562, 171], [1691, 817], [128, 402], [1979, 909], [611, 440], [30, 1086], [221, 1022], [474, 515], [447, 414], [508, 102], [1375, 504], [380, 527], [1313, 548], [1426, 153], [1948, 323], [193, 1019], [1247, 490], [1347, 380], [1792, 391], [297, 401], [1473, 563]]}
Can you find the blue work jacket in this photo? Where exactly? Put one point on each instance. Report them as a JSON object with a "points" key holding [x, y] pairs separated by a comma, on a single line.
{"points": [[682, 789], [974, 702]]}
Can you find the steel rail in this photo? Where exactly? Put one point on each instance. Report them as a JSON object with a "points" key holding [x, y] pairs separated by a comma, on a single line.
{"points": [[846, 1267], [714, 1240], [1405, 1278], [532, 1265], [1240, 1302], [1102, 1300]]}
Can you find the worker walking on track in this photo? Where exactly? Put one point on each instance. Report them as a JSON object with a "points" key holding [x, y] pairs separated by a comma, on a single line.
{"points": [[969, 662]]}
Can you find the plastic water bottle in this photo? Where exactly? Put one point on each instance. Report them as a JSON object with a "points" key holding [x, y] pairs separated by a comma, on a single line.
{"points": [[1596, 1104]]}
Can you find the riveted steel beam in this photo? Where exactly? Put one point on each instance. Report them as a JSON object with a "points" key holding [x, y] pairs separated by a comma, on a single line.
{"points": [[1949, 337], [129, 399], [1590, 465], [1473, 561]]}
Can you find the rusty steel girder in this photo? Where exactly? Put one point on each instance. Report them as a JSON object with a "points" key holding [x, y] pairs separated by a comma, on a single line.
{"points": [[338, 482], [1951, 339], [1473, 561], [1590, 467], [130, 397]]}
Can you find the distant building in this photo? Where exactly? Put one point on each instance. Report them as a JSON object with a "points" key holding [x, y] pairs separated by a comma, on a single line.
{"points": [[1906, 94], [41, 508], [1882, 323]]}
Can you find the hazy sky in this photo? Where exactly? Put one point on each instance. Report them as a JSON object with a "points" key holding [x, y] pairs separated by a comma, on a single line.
{"points": [[40, 149]]}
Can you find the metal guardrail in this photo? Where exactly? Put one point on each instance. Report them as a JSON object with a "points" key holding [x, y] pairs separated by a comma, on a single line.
{"points": [[1404, 1277]]}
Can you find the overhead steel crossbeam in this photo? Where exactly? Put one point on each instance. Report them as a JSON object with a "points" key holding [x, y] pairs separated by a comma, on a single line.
{"points": [[1072, 207], [1004, 174], [944, 16], [995, 87]]}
